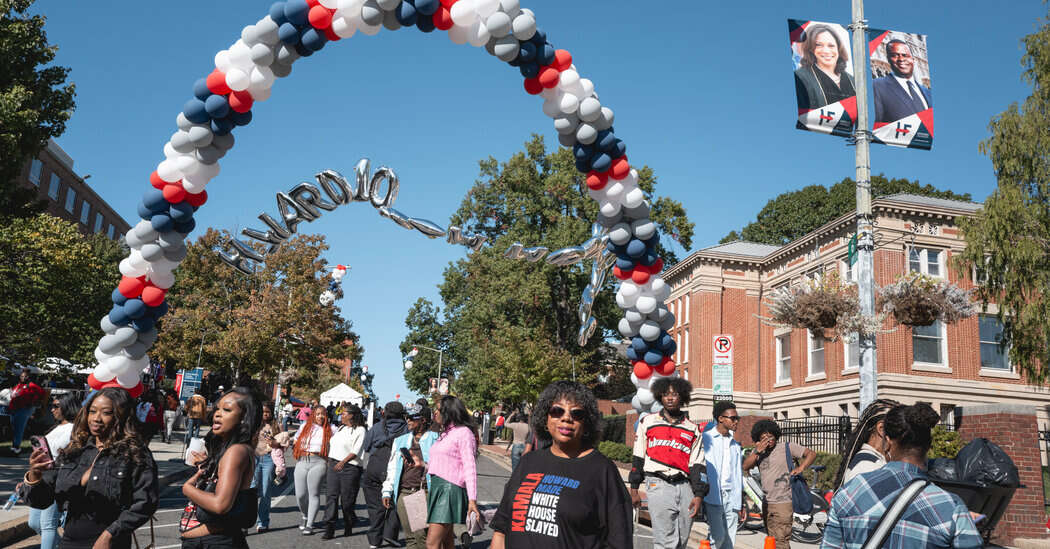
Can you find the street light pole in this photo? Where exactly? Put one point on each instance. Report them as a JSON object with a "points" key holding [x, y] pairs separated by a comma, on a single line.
{"points": [[415, 351]]}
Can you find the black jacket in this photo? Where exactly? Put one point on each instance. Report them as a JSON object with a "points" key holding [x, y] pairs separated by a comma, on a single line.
{"points": [[120, 495]]}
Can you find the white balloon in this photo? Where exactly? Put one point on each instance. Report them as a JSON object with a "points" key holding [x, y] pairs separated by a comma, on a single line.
{"points": [[136, 260], [590, 109], [463, 14], [646, 304], [170, 151], [261, 95], [130, 270], [458, 34], [636, 404], [649, 330], [350, 7], [625, 302], [614, 191], [629, 289], [241, 55], [261, 78], [237, 79], [551, 108], [569, 103], [485, 8], [370, 30], [620, 234], [524, 25], [346, 26], [634, 198], [645, 396], [105, 372], [587, 86], [498, 24], [609, 209], [568, 79], [330, 4], [479, 34], [510, 7], [161, 279], [631, 178], [222, 60]]}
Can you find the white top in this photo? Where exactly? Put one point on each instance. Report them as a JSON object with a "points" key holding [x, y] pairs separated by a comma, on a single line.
{"points": [[904, 84], [316, 440], [58, 438], [346, 441]]}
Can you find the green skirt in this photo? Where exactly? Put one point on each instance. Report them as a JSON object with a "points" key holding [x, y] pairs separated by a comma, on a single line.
{"points": [[446, 502]]}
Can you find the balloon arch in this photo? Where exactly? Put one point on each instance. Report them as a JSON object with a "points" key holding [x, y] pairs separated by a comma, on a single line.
{"points": [[266, 50]]}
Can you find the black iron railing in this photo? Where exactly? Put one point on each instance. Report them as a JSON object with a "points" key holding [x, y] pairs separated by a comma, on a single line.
{"points": [[819, 433]]}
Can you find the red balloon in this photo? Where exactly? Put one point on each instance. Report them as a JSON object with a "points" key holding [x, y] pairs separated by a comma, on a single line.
{"points": [[666, 366], [174, 193], [135, 391], [216, 82], [156, 181], [657, 266], [642, 370], [447, 4], [533, 86], [331, 35], [621, 274], [319, 16], [131, 287], [620, 168], [153, 296], [640, 276], [548, 77], [313, 3], [443, 17], [241, 101], [562, 60], [198, 199], [94, 383], [596, 181]]}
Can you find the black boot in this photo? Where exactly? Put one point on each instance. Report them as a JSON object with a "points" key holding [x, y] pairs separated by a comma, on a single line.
{"points": [[348, 525], [329, 531]]}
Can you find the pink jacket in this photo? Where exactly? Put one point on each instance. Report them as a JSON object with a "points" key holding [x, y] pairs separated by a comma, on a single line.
{"points": [[454, 458]]}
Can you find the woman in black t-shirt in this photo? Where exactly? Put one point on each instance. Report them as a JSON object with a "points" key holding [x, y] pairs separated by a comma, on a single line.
{"points": [[567, 496]]}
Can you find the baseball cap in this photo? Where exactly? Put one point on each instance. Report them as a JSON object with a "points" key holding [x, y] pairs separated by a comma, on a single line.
{"points": [[414, 411]]}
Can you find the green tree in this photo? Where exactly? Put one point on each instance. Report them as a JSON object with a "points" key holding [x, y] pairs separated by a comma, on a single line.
{"points": [[509, 327], [794, 214], [55, 286], [1008, 241], [252, 327], [35, 101]]}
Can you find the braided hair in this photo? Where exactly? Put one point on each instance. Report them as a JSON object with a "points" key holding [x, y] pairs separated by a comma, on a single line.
{"points": [[873, 414]]}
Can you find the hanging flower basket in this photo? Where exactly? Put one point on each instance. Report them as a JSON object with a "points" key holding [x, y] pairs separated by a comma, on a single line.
{"points": [[916, 299], [818, 306]]}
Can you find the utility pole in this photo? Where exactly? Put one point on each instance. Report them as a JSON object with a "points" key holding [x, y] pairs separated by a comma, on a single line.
{"points": [[865, 238]]}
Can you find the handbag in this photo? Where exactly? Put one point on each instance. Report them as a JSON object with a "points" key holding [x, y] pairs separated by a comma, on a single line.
{"points": [[416, 508], [152, 539], [801, 500], [892, 515]]}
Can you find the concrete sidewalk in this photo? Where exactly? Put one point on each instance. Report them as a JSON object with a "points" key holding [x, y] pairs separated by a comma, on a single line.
{"points": [[14, 524]]}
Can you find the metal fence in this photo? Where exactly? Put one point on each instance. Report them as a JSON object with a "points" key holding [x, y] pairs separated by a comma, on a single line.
{"points": [[1044, 439], [819, 433]]}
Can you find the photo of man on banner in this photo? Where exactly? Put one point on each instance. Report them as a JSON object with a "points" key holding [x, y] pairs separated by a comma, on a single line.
{"points": [[900, 73], [824, 85]]}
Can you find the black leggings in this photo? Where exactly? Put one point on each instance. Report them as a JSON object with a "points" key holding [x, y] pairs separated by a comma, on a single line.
{"points": [[342, 486], [217, 541]]}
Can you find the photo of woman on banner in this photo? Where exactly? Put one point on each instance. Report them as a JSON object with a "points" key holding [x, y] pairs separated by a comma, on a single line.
{"points": [[823, 77]]}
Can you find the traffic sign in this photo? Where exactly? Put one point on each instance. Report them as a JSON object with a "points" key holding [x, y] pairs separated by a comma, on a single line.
{"points": [[722, 380], [722, 349]]}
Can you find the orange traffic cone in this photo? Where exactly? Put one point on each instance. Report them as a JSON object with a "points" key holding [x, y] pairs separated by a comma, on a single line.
{"points": [[704, 544], [770, 543]]}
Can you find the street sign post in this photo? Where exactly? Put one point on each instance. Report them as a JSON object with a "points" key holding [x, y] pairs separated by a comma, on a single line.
{"points": [[722, 367]]}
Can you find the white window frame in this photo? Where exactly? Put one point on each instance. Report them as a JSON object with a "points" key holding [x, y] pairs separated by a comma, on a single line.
{"points": [[942, 366], [678, 348], [98, 222], [1009, 371], [780, 358], [847, 273], [687, 308], [924, 263], [54, 186], [848, 368], [71, 200], [810, 349], [85, 212], [685, 358], [35, 169]]}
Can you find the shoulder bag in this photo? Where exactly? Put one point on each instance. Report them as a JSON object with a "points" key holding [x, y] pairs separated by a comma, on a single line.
{"points": [[893, 514], [801, 500], [416, 507]]}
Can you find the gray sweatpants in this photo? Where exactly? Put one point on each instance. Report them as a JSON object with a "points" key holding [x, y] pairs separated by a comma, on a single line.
{"points": [[669, 509], [309, 473]]}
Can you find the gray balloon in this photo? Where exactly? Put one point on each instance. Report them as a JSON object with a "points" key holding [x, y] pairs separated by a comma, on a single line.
{"points": [[285, 56], [566, 124], [634, 317], [607, 221], [223, 142], [152, 252], [620, 234], [182, 122], [262, 55], [490, 46], [643, 229], [133, 241], [524, 25], [209, 154], [170, 239], [280, 71], [136, 350], [649, 330], [145, 232], [124, 336], [506, 48], [266, 31], [627, 329], [176, 254], [107, 326], [586, 134], [605, 121], [249, 35], [371, 14], [390, 21], [388, 5], [590, 109], [498, 24], [638, 212], [148, 338], [181, 142], [110, 344], [667, 323], [200, 136], [428, 228], [567, 139]]}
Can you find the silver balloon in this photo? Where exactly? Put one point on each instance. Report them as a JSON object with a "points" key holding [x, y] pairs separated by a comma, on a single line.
{"points": [[148, 338], [335, 186], [534, 254], [281, 71], [586, 331], [566, 256], [514, 251], [107, 326], [371, 14], [309, 198], [391, 191], [180, 141], [396, 216], [292, 213], [221, 142], [362, 172], [428, 228], [202, 136], [136, 350], [390, 20], [274, 236]]}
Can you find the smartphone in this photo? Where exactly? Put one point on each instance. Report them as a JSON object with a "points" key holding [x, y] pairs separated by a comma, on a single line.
{"points": [[41, 442], [407, 455]]}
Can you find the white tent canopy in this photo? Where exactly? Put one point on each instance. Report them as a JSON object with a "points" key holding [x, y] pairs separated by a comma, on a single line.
{"points": [[341, 393]]}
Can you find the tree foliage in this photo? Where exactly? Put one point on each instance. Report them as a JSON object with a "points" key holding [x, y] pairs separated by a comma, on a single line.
{"points": [[1008, 242], [35, 101], [794, 214], [247, 327], [55, 286], [509, 327]]}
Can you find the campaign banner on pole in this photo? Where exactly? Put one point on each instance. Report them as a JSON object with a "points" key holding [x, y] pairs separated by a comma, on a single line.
{"points": [[901, 90], [824, 85]]}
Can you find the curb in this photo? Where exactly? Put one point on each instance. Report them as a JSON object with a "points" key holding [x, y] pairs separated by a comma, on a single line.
{"points": [[18, 529]]}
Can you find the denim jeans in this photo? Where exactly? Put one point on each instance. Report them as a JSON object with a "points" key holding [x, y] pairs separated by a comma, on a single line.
{"points": [[46, 522], [515, 455], [19, 419], [263, 481], [669, 509], [723, 524], [193, 430]]}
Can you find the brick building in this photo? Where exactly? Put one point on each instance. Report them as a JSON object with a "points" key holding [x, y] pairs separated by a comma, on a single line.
{"points": [[788, 373], [68, 196]]}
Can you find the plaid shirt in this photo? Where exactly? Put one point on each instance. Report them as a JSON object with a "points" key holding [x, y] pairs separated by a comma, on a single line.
{"points": [[935, 518]]}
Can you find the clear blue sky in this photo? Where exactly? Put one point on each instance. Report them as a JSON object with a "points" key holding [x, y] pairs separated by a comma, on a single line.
{"points": [[702, 91]]}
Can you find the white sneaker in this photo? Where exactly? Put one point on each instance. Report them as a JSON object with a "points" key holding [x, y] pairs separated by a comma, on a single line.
{"points": [[302, 524]]}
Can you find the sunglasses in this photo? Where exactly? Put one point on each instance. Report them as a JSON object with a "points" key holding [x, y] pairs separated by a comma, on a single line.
{"points": [[732, 418], [577, 414]]}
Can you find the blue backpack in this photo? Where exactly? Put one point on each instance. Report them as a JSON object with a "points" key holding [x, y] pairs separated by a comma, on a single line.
{"points": [[801, 500]]}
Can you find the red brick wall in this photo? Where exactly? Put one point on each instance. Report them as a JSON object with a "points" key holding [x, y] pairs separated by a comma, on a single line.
{"points": [[1017, 434], [611, 407]]}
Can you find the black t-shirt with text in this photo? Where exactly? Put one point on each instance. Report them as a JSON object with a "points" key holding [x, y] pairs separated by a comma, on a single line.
{"points": [[552, 502]]}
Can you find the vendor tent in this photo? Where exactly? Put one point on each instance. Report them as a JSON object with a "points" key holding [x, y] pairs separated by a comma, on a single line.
{"points": [[341, 393]]}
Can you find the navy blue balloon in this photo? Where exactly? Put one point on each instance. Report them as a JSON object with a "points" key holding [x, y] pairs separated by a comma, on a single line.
{"points": [[666, 341], [606, 139], [240, 118], [144, 324], [425, 22], [200, 89], [195, 112], [159, 310], [545, 54], [671, 349], [144, 212], [539, 38], [610, 245], [217, 106], [516, 62], [154, 200], [314, 39], [180, 212], [639, 344], [583, 166], [529, 70], [427, 7], [222, 126], [134, 308], [288, 34], [650, 245], [297, 12], [649, 259], [624, 264], [527, 52], [406, 13], [185, 226], [117, 297], [601, 162], [653, 358], [635, 248], [582, 152], [303, 50], [632, 355], [118, 317], [618, 149], [277, 13], [162, 223]]}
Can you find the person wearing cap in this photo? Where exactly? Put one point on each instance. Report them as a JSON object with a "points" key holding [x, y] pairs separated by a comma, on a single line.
{"points": [[404, 477], [379, 441]]}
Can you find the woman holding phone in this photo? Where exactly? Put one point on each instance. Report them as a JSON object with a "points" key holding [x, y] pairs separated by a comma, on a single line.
{"points": [[407, 469], [453, 472], [46, 521], [106, 478]]}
